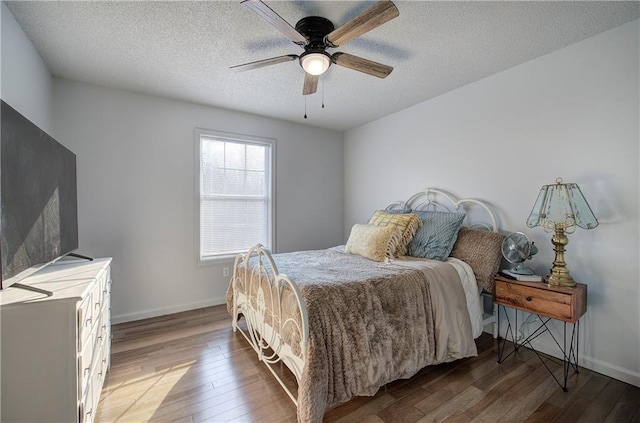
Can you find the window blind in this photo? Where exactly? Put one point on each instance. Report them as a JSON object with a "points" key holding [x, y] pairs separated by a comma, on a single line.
{"points": [[235, 195]]}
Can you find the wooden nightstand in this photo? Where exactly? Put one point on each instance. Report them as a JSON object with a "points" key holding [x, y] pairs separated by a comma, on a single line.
{"points": [[548, 302]]}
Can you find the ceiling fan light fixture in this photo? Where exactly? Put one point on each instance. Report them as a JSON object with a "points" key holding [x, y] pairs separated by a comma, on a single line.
{"points": [[315, 63]]}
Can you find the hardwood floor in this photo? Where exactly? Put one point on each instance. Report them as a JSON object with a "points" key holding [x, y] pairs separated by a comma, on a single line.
{"points": [[191, 367]]}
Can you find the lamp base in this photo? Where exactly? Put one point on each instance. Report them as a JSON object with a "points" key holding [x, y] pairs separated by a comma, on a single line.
{"points": [[559, 274], [560, 279]]}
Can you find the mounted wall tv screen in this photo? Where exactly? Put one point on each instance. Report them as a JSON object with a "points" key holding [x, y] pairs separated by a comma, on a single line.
{"points": [[38, 198]]}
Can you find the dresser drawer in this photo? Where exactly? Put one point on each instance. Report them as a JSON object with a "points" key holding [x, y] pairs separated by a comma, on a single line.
{"points": [[85, 359], [566, 304], [105, 324], [102, 291], [90, 353], [98, 301], [86, 411], [89, 314], [85, 322]]}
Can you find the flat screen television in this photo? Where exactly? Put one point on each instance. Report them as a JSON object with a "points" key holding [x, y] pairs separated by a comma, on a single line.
{"points": [[38, 198]]}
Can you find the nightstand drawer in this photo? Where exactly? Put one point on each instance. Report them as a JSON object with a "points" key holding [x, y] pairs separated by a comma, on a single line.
{"points": [[566, 304]]}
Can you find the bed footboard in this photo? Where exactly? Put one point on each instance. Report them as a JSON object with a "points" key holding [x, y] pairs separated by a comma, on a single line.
{"points": [[259, 293]]}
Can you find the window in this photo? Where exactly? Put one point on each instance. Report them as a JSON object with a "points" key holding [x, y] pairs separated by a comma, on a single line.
{"points": [[235, 193]]}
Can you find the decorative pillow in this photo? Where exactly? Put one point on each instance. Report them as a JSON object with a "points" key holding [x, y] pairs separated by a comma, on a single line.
{"points": [[482, 251], [373, 242], [397, 211], [408, 223], [435, 239]]}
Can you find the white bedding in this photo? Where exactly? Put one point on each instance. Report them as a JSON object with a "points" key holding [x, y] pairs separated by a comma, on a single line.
{"points": [[469, 284]]}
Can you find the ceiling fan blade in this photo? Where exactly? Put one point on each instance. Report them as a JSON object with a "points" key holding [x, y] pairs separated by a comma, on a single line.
{"points": [[272, 18], [261, 63], [381, 12], [310, 83], [361, 65]]}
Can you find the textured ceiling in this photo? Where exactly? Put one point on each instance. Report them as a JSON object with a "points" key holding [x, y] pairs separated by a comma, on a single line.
{"points": [[183, 50]]}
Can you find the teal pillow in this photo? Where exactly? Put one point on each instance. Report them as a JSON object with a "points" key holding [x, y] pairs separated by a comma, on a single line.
{"points": [[397, 211], [436, 237]]}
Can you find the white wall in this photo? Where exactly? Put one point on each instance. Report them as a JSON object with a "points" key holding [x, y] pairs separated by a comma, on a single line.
{"points": [[573, 113], [26, 83], [137, 198]]}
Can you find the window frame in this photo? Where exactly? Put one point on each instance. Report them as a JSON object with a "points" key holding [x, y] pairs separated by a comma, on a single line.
{"points": [[270, 162]]}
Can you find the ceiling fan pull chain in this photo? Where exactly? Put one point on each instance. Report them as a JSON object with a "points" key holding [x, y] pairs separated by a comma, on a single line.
{"points": [[305, 107], [322, 92]]}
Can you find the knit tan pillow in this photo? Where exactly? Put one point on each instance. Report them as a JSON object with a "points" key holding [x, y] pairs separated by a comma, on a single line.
{"points": [[407, 223], [482, 251], [373, 242]]}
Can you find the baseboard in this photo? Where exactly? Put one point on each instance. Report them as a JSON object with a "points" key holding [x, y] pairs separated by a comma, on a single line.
{"points": [[130, 317], [625, 375], [599, 366]]}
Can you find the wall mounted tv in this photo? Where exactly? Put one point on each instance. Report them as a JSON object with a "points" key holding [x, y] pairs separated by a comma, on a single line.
{"points": [[38, 198]]}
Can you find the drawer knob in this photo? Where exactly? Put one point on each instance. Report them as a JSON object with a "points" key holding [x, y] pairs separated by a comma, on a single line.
{"points": [[528, 298]]}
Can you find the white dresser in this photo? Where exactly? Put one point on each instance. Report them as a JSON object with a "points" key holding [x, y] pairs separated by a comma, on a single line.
{"points": [[55, 350]]}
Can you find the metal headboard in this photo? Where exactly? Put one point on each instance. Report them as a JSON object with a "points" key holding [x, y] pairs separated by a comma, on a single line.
{"points": [[436, 199]]}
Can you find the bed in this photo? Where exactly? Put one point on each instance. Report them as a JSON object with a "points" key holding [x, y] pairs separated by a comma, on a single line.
{"points": [[350, 319]]}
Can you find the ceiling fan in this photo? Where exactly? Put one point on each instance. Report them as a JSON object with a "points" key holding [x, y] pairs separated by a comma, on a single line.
{"points": [[316, 34]]}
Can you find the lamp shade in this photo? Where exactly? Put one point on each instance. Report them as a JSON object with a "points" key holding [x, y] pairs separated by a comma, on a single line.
{"points": [[561, 205], [315, 63], [560, 208]]}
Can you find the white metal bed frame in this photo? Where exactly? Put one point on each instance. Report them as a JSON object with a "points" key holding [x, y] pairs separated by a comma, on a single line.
{"points": [[265, 338]]}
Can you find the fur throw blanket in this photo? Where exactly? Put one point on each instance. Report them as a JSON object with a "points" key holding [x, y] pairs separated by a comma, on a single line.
{"points": [[371, 323]]}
